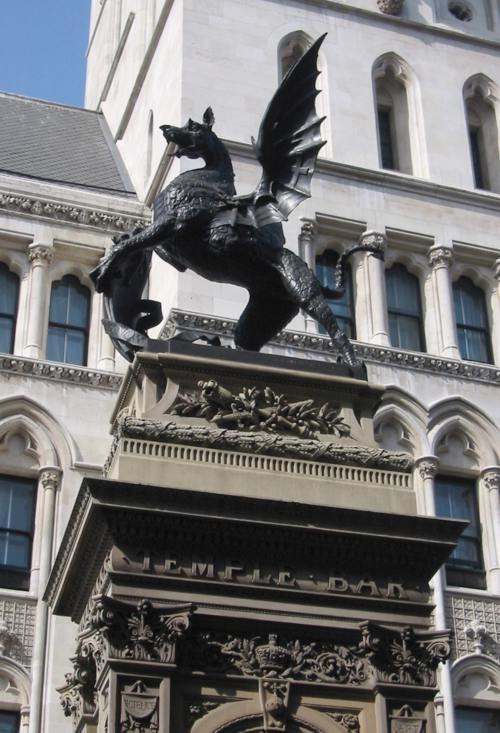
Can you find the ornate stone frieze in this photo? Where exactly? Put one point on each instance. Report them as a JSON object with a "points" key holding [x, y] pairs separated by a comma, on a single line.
{"points": [[198, 709], [474, 621], [405, 721], [264, 410], [68, 213], [224, 328], [139, 709], [381, 655], [78, 696], [349, 721], [274, 698], [40, 253], [276, 658], [17, 619], [390, 7], [60, 372], [278, 445]]}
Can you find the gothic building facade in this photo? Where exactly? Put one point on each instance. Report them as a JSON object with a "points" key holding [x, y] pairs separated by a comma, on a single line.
{"points": [[410, 92]]}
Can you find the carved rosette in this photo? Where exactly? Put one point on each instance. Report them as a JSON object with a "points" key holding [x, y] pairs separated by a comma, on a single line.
{"points": [[390, 7], [440, 257], [40, 254]]}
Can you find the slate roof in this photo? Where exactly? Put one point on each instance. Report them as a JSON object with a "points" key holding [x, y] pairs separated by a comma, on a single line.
{"points": [[60, 144]]}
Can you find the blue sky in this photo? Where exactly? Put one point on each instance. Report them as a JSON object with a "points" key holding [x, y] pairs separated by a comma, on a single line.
{"points": [[42, 48]]}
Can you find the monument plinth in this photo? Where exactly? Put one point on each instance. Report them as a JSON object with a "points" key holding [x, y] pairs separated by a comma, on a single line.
{"points": [[252, 560]]}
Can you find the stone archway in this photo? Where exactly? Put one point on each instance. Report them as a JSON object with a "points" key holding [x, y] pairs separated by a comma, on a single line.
{"points": [[246, 717]]}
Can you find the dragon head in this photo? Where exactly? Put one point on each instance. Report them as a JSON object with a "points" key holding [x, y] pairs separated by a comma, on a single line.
{"points": [[194, 139]]}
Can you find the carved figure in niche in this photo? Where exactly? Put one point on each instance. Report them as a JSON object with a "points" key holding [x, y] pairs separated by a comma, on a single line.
{"points": [[201, 224]]}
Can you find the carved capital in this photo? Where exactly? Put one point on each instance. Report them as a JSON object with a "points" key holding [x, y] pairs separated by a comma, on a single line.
{"points": [[375, 241], [427, 467], [390, 7], [40, 254], [491, 478], [307, 231], [440, 257], [49, 478]]}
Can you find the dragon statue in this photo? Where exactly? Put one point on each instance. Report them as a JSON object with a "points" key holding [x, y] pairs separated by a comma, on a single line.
{"points": [[200, 223]]}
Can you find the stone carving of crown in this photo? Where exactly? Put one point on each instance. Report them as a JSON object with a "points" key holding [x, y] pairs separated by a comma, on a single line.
{"points": [[272, 657]]}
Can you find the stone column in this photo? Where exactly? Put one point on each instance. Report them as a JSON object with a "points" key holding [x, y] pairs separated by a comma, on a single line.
{"points": [[376, 304], [25, 719], [440, 259], [490, 486], [48, 484], [427, 467], [106, 356], [40, 256], [307, 252], [495, 326]]}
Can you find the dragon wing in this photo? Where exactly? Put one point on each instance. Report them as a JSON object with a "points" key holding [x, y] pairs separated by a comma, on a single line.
{"points": [[289, 141]]}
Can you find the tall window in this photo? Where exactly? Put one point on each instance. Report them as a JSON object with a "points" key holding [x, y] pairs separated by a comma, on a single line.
{"points": [[456, 498], [405, 309], [472, 321], [68, 321], [9, 722], [17, 502], [480, 109], [393, 117], [342, 308], [9, 291]]}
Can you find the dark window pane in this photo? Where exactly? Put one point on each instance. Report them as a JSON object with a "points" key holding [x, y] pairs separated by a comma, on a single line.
{"points": [[477, 720], [9, 722], [15, 550], [472, 321], [9, 290], [475, 149], [405, 312], [342, 308], [68, 321], [384, 115], [456, 498], [16, 521]]}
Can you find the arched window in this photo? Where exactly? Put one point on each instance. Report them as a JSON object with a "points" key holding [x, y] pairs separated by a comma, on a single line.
{"points": [[9, 292], [291, 48], [342, 308], [480, 103], [472, 322], [391, 81], [68, 321], [405, 309], [17, 504]]}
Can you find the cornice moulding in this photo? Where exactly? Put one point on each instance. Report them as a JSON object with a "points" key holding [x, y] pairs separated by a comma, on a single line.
{"points": [[68, 213], [60, 372], [224, 327], [399, 182]]}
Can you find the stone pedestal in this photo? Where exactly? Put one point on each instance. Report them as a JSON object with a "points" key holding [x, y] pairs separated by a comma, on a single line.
{"points": [[252, 561]]}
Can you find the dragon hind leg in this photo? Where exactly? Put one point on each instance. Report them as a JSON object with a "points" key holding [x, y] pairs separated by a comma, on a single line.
{"points": [[262, 319]]}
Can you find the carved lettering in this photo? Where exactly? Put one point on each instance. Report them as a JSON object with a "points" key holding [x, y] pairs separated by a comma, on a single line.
{"points": [[367, 588], [337, 585], [232, 567], [200, 568], [285, 577], [396, 590], [172, 567]]}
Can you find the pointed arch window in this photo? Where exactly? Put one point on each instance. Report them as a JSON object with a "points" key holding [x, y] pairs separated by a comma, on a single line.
{"points": [[472, 321], [68, 321], [482, 129], [405, 309], [342, 308], [17, 503], [390, 81], [9, 296], [291, 48]]}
